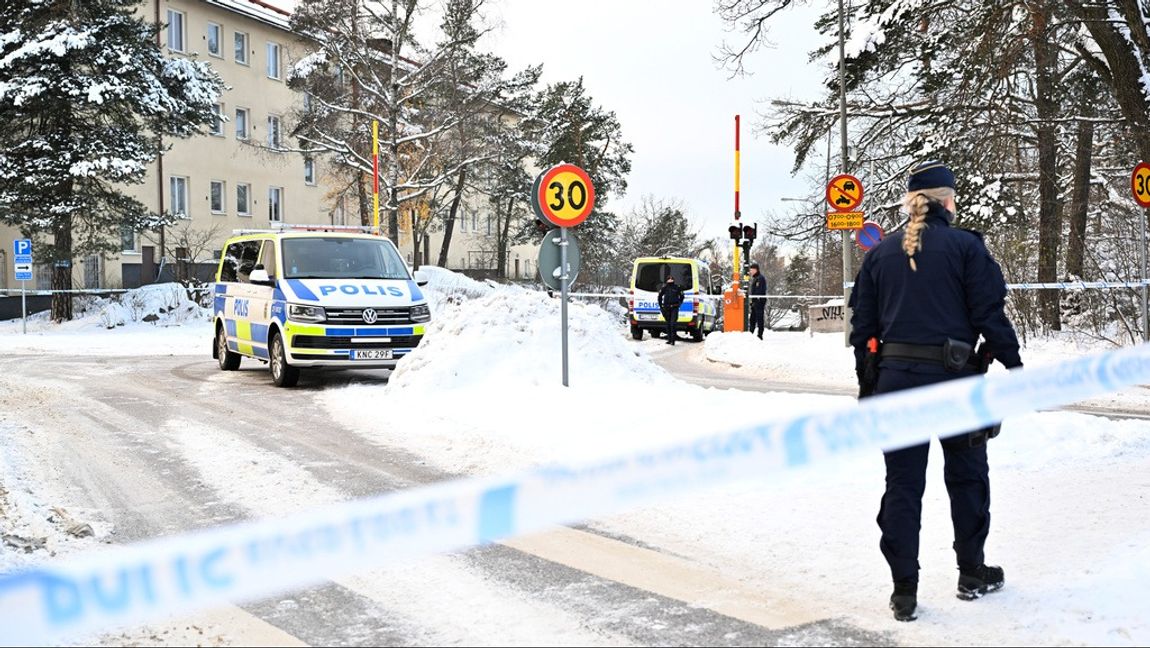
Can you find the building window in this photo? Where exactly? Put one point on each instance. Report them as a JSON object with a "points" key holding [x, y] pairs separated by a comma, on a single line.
{"points": [[243, 199], [175, 30], [127, 239], [178, 186], [306, 101], [275, 204], [273, 132], [273, 60], [217, 120], [241, 123], [217, 197], [475, 222], [489, 224], [463, 223], [215, 39], [241, 42], [309, 171]]}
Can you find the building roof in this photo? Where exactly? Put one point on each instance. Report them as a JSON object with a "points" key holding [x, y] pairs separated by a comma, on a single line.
{"points": [[271, 12]]}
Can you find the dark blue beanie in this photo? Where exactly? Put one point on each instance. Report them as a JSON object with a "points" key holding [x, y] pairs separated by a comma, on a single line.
{"points": [[930, 175]]}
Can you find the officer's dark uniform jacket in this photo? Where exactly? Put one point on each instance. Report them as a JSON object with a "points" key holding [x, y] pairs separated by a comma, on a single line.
{"points": [[958, 292], [759, 287], [670, 296]]}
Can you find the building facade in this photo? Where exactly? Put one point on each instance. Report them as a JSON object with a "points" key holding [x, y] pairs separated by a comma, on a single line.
{"points": [[235, 175]]}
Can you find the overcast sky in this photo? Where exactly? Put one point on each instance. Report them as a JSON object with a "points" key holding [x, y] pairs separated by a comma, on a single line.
{"points": [[652, 63]]}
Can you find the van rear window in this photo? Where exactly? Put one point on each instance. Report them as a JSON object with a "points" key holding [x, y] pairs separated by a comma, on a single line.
{"points": [[650, 276]]}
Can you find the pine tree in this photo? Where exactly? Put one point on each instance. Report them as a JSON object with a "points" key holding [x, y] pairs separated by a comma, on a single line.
{"points": [[577, 131], [86, 96]]}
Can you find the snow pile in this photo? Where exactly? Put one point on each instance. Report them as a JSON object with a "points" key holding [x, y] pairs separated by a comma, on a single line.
{"points": [[445, 285], [511, 337], [165, 304], [483, 391]]}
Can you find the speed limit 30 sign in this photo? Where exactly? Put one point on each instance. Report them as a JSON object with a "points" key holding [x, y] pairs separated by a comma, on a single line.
{"points": [[1140, 184], [565, 195]]}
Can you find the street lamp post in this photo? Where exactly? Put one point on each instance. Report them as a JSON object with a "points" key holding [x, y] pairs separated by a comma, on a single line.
{"points": [[847, 271]]}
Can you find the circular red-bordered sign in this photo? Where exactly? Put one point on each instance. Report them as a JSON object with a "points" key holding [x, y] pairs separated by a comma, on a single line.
{"points": [[565, 195], [1140, 184], [844, 193], [868, 235]]}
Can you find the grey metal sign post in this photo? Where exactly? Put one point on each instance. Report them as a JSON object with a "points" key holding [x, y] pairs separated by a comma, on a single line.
{"points": [[564, 281], [559, 262]]}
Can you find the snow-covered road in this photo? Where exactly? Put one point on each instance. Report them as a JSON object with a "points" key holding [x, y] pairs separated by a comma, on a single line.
{"points": [[141, 449]]}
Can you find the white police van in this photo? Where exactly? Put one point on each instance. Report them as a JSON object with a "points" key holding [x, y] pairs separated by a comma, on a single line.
{"points": [[298, 299], [698, 314]]}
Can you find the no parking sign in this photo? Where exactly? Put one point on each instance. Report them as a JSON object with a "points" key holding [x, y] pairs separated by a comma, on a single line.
{"points": [[868, 235]]}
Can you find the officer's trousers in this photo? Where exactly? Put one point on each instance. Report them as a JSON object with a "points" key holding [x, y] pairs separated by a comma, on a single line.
{"points": [[671, 316], [967, 478], [758, 306]]}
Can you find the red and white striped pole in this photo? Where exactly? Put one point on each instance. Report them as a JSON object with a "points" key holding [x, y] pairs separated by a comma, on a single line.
{"points": [[375, 176], [737, 212]]}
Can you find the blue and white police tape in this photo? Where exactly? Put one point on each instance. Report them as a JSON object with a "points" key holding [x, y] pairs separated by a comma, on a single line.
{"points": [[1065, 285], [137, 583]]}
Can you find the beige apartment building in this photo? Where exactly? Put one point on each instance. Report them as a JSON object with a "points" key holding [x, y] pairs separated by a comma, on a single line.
{"points": [[233, 176]]}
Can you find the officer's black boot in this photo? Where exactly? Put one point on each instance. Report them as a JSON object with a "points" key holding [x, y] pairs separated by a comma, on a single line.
{"points": [[973, 583], [904, 600]]}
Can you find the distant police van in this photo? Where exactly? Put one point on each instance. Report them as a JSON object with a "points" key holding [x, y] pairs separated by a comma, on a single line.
{"points": [[315, 299], [698, 315]]}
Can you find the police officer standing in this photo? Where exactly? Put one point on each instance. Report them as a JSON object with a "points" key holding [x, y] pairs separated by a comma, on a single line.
{"points": [[759, 302], [921, 299], [670, 298]]}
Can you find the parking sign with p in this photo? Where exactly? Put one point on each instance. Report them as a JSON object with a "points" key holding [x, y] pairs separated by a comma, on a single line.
{"points": [[22, 259]]}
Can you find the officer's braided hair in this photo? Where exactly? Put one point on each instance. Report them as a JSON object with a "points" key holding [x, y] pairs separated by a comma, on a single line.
{"points": [[916, 203]]}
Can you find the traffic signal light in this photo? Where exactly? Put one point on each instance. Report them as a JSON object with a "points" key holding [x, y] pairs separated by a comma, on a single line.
{"points": [[750, 232], [736, 232]]}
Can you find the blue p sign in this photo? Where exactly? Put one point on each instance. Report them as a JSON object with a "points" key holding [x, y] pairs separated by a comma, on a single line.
{"points": [[22, 247]]}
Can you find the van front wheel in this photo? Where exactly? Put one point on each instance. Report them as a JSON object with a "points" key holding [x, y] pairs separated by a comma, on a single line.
{"points": [[283, 374], [228, 361]]}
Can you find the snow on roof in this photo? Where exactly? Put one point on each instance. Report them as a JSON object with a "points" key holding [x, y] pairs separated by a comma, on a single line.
{"points": [[273, 12]]}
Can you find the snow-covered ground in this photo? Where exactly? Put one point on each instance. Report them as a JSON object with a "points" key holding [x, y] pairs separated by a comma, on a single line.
{"points": [[153, 320], [482, 395]]}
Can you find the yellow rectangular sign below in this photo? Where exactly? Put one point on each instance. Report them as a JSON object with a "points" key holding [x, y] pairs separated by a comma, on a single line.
{"points": [[844, 220]]}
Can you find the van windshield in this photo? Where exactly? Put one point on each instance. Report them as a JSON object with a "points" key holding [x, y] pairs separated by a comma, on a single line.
{"points": [[342, 258], [650, 276]]}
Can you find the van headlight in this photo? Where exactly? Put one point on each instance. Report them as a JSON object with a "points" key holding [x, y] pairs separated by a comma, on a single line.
{"points": [[302, 313], [421, 313]]}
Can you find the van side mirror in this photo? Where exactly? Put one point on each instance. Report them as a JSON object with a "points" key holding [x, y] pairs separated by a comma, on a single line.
{"points": [[421, 278], [260, 277]]}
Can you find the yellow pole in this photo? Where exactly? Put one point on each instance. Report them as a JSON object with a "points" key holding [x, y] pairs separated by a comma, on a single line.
{"points": [[375, 174], [738, 274]]}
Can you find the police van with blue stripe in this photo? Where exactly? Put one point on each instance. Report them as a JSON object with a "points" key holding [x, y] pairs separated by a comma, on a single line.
{"points": [[699, 315], [303, 299]]}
